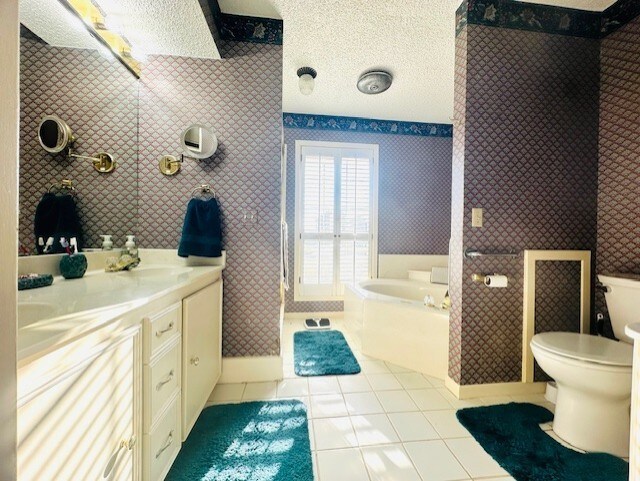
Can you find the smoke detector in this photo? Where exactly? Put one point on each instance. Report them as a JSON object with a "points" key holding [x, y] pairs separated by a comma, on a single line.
{"points": [[374, 82]]}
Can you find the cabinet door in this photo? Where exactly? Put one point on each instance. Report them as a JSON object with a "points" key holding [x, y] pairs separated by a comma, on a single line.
{"points": [[202, 350], [83, 424]]}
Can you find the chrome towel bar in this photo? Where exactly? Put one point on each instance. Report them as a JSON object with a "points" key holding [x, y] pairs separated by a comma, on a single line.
{"points": [[473, 254]]}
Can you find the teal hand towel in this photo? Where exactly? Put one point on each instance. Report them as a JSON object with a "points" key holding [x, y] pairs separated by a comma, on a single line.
{"points": [[202, 230]]}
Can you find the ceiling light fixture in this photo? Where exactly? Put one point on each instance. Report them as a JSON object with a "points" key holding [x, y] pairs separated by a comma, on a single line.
{"points": [[306, 82], [374, 82]]}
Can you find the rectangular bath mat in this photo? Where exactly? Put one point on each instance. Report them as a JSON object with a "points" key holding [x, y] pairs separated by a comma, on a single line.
{"points": [[511, 434], [323, 353], [255, 441]]}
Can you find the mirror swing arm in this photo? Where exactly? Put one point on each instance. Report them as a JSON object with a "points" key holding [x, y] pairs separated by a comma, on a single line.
{"points": [[101, 161], [197, 141], [55, 136], [171, 165]]}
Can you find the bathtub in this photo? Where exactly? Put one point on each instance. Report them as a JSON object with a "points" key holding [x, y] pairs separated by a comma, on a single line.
{"points": [[393, 324]]}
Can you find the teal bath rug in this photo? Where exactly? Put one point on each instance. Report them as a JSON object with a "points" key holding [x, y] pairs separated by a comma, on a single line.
{"points": [[256, 441], [323, 353], [511, 434]]}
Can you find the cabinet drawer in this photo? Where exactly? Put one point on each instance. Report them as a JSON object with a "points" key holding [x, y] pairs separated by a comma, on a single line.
{"points": [[162, 445], [160, 328], [161, 382]]}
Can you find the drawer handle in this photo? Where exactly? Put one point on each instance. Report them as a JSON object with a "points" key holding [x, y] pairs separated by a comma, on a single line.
{"points": [[163, 331], [195, 360], [165, 381], [166, 445], [127, 444]]}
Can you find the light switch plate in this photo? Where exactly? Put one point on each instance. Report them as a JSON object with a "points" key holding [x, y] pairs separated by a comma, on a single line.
{"points": [[476, 217]]}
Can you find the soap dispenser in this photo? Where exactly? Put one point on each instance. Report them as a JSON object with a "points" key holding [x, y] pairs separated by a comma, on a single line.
{"points": [[130, 245], [107, 243]]}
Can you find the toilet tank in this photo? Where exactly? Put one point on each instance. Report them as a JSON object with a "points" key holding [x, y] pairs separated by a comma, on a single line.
{"points": [[623, 301]]}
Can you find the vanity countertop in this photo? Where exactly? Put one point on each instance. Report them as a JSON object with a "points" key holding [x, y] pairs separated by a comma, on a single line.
{"points": [[633, 331], [52, 316]]}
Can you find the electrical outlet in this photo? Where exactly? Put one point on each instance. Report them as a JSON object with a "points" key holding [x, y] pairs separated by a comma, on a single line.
{"points": [[476, 217]]}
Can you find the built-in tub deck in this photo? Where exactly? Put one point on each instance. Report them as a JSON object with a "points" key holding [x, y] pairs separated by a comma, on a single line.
{"points": [[395, 325]]}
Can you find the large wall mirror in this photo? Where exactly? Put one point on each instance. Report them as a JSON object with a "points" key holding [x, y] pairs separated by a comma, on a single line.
{"points": [[67, 79]]}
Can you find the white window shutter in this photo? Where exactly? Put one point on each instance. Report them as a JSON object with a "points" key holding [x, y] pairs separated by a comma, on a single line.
{"points": [[335, 217]]}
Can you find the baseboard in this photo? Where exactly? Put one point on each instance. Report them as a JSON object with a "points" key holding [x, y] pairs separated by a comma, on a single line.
{"points": [[251, 369], [469, 391], [300, 316]]}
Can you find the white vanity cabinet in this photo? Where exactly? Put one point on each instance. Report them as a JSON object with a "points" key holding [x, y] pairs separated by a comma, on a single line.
{"points": [[78, 411], [202, 356], [118, 389], [161, 390]]}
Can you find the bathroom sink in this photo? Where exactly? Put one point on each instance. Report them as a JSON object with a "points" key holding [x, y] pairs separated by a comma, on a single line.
{"points": [[159, 272], [30, 312]]}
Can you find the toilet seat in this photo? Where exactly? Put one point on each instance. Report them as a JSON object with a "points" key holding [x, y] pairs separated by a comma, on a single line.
{"points": [[584, 347]]}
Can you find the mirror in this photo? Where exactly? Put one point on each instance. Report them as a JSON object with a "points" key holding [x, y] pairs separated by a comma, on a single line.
{"points": [[74, 96], [199, 141], [54, 134]]}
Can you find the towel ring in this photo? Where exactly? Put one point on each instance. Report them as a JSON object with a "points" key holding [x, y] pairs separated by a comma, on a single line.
{"points": [[204, 189], [66, 184]]}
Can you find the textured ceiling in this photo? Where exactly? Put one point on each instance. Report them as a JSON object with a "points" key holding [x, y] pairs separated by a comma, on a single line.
{"points": [[54, 24], [167, 27], [153, 26], [595, 5], [342, 39], [413, 39]]}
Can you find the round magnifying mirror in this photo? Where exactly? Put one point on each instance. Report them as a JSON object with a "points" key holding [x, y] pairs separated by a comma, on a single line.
{"points": [[54, 134], [199, 141]]}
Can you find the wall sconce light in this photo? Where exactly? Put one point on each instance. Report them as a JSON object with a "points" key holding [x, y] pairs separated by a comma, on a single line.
{"points": [[306, 76]]}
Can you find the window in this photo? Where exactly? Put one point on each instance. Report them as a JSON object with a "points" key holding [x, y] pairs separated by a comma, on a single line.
{"points": [[336, 217]]}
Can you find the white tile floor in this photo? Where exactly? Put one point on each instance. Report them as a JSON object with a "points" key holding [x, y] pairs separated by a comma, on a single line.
{"points": [[384, 424]]}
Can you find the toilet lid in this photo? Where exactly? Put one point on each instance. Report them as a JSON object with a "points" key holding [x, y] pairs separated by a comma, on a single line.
{"points": [[585, 347]]}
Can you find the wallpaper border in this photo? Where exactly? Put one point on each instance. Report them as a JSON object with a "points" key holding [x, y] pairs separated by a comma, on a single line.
{"points": [[546, 18], [241, 28], [362, 125], [618, 15]]}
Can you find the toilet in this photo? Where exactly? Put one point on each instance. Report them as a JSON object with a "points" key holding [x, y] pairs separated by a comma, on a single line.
{"points": [[593, 374]]}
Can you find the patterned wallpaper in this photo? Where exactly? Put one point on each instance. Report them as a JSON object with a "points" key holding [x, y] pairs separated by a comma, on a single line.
{"points": [[530, 160], [457, 207], [558, 301], [98, 98], [414, 196], [240, 98], [619, 168]]}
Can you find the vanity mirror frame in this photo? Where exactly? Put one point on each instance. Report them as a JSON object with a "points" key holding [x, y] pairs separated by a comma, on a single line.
{"points": [[211, 145], [170, 165], [64, 134]]}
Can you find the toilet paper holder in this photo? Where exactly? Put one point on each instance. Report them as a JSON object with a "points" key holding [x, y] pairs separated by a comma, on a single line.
{"points": [[485, 279], [478, 278]]}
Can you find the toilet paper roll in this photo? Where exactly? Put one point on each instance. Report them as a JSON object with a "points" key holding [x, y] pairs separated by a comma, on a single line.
{"points": [[495, 281]]}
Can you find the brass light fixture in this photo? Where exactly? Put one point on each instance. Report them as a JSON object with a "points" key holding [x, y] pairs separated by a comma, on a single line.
{"points": [[94, 21]]}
